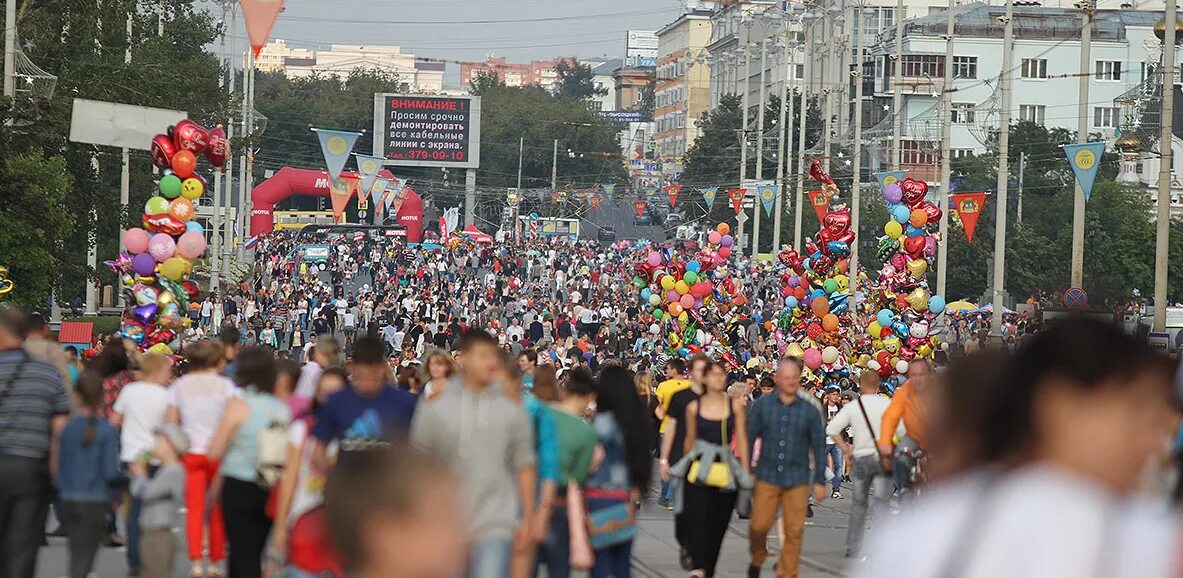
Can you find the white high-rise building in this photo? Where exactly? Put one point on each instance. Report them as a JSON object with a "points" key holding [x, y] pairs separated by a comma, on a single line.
{"points": [[415, 74]]}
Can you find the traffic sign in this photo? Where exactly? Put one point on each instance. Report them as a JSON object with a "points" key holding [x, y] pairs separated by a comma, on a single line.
{"points": [[1076, 298]]}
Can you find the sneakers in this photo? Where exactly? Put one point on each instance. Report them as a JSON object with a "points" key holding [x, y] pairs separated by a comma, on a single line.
{"points": [[753, 572], [809, 511], [836, 495], [685, 560]]}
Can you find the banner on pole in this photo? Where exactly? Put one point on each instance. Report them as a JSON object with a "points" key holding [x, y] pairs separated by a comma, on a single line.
{"points": [[885, 178], [672, 191], [399, 194], [367, 170], [343, 188], [736, 196], [595, 201], [260, 17], [821, 204], [336, 145], [376, 188], [640, 206], [382, 206], [1085, 159], [708, 195], [969, 208], [512, 196], [767, 195], [609, 190]]}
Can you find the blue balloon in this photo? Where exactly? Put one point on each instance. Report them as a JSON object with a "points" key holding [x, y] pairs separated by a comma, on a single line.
{"points": [[815, 255], [913, 231], [194, 227], [839, 248], [901, 214], [936, 304], [694, 265], [900, 328], [791, 302], [885, 317], [818, 293], [645, 293]]}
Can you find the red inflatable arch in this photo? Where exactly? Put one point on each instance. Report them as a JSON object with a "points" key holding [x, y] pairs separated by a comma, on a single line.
{"points": [[291, 181]]}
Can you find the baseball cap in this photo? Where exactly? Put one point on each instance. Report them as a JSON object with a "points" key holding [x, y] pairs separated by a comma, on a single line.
{"points": [[176, 436]]}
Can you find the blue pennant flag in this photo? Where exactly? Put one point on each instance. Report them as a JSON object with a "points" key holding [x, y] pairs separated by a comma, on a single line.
{"points": [[609, 190], [708, 195], [367, 170], [336, 146], [1085, 159], [888, 177], [767, 194]]}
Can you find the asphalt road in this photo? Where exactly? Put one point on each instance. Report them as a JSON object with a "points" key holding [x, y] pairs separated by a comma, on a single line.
{"points": [[619, 215]]}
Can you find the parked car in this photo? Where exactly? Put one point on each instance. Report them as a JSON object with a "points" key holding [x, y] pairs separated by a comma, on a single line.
{"points": [[643, 219], [674, 219], [607, 235]]}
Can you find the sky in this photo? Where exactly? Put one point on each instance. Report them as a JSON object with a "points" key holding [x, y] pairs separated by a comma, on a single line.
{"points": [[520, 30]]}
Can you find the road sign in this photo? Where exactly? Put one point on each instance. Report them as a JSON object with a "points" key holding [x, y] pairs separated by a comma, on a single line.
{"points": [[1160, 341], [1075, 298]]}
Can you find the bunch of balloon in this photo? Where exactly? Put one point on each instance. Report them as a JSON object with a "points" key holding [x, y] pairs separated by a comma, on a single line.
{"points": [[689, 299], [906, 322], [156, 270]]}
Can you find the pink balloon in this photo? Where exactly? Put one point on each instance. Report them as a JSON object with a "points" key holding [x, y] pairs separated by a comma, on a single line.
{"points": [[191, 245], [687, 301], [899, 261], [714, 237], [161, 246], [136, 240], [813, 358], [930, 245], [654, 258], [672, 296]]}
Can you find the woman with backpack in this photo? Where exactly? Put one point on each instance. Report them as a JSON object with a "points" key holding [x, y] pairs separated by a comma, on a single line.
{"points": [[251, 442]]}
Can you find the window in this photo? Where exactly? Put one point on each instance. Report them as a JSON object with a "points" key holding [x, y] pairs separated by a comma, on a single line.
{"points": [[918, 152], [965, 67], [1031, 113], [887, 18], [1034, 68], [1106, 116], [1108, 70], [919, 65], [963, 113], [800, 71], [960, 153]]}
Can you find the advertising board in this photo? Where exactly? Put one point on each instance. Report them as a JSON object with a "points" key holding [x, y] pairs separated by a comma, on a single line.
{"points": [[414, 130]]}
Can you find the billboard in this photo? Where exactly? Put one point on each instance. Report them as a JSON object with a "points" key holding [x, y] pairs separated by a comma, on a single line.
{"points": [[119, 125], [413, 130], [640, 49]]}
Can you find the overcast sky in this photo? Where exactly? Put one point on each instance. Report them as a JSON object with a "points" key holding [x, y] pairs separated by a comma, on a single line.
{"points": [[520, 30]]}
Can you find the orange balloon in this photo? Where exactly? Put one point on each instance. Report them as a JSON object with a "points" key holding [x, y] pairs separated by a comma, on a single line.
{"points": [[184, 163], [918, 218], [830, 322], [723, 228], [675, 309], [820, 306], [181, 209]]}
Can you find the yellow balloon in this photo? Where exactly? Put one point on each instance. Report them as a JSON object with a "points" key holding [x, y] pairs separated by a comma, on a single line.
{"points": [[161, 348], [893, 229], [794, 350], [918, 298], [667, 282], [862, 360], [681, 287], [924, 350], [165, 298], [192, 189], [874, 329], [891, 344], [917, 267], [174, 268]]}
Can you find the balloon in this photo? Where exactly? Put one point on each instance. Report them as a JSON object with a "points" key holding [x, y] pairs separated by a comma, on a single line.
{"points": [[901, 214], [917, 267], [936, 304], [136, 240], [144, 294], [190, 136], [156, 206], [725, 250], [191, 188], [723, 228], [913, 191], [181, 209], [687, 302], [830, 354], [830, 323], [726, 241], [672, 296], [901, 366], [693, 266], [892, 193], [893, 229], [681, 287], [645, 293], [913, 231], [191, 245], [170, 186], [820, 307], [219, 148], [714, 237], [690, 277], [667, 282], [830, 286], [194, 227], [163, 224], [163, 150], [174, 268], [143, 264], [918, 218], [654, 299], [675, 309], [930, 245], [794, 350], [791, 302], [885, 317], [874, 328], [654, 258], [931, 210], [145, 313], [184, 163], [813, 358], [918, 299], [161, 247]]}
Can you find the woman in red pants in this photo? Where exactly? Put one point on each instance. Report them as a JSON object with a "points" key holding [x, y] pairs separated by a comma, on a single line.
{"points": [[196, 401]]}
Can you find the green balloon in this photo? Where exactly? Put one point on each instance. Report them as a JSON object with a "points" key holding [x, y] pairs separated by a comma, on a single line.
{"points": [[170, 186], [830, 286], [690, 277], [658, 313], [156, 206], [638, 282]]}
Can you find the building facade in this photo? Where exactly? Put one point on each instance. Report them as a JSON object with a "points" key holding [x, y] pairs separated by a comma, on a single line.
{"points": [[683, 85], [415, 74], [535, 73]]}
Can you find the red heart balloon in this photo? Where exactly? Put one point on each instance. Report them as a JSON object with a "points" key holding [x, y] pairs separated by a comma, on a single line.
{"points": [[913, 191], [219, 148], [819, 174], [190, 289], [190, 136], [931, 210], [163, 150], [914, 247], [787, 257], [837, 222]]}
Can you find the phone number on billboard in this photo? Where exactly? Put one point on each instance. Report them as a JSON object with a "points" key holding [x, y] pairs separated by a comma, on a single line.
{"points": [[427, 129]]}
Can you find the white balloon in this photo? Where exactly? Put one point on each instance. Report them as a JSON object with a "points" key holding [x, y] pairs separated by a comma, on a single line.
{"points": [[873, 365], [901, 366], [830, 354]]}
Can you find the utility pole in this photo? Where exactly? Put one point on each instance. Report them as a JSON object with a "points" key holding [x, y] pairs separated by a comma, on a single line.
{"points": [[801, 112], [781, 135], [860, 27], [756, 206], [1163, 223], [946, 170], [1022, 166], [248, 154], [215, 233], [743, 134], [10, 51], [1003, 146], [829, 86], [1082, 135], [897, 154], [227, 224], [554, 169], [521, 152]]}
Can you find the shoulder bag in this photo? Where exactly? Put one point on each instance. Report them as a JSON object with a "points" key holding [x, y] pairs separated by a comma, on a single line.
{"points": [[884, 461], [718, 472]]}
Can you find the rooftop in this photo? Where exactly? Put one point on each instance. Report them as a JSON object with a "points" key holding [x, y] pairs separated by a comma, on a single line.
{"points": [[1030, 22]]}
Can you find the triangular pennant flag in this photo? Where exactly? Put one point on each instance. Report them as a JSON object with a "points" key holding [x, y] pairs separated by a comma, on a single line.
{"points": [[396, 200], [381, 206], [1085, 159], [639, 207], [736, 196], [367, 170], [376, 189], [969, 208], [609, 190], [708, 195], [821, 204], [672, 191], [885, 178], [260, 17], [342, 189], [595, 201], [336, 144], [767, 197]]}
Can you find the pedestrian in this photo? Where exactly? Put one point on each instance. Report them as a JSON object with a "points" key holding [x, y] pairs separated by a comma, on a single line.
{"points": [[34, 409], [675, 382], [673, 444], [438, 368], [161, 494], [88, 471], [712, 484], [831, 406], [544, 390], [250, 443], [792, 437]]}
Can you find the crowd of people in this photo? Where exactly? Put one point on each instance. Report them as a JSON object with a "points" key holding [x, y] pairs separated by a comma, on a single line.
{"points": [[491, 411]]}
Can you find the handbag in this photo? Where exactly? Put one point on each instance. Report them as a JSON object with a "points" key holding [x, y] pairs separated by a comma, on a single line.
{"points": [[718, 473], [884, 462], [581, 555], [612, 524]]}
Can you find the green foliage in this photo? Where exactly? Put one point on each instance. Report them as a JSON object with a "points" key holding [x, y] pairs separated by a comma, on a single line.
{"points": [[34, 220], [484, 82], [576, 80]]}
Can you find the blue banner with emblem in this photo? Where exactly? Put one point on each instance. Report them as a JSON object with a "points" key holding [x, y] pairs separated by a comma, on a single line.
{"points": [[885, 178], [708, 195], [336, 146], [609, 190], [767, 194], [1085, 159]]}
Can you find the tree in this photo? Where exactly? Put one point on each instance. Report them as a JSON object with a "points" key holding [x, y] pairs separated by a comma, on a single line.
{"points": [[576, 80], [484, 82]]}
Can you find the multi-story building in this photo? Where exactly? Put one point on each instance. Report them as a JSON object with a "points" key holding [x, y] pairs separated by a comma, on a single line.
{"points": [[415, 74], [683, 88], [603, 76], [536, 73]]}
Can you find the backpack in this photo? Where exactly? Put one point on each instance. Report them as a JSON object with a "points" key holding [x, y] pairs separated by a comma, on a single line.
{"points": [[271, 452]]}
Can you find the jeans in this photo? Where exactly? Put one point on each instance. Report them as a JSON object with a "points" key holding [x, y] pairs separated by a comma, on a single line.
{"points": [[614, 561], [835, 454], [489, 558], [86, 525], [24, 504], [667, 493], [247, 526], [866, 478], [133, 535], [555, 551]]}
